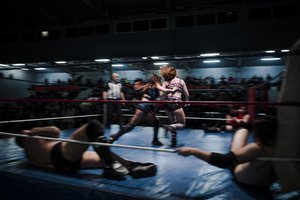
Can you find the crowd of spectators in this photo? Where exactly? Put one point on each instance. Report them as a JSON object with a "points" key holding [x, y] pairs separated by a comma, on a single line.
{"points": [[201, 89]]}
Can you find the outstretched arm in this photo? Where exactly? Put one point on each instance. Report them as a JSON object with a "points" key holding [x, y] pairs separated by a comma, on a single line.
{"points": [[161, 88], [198, 153], [229, 160]]}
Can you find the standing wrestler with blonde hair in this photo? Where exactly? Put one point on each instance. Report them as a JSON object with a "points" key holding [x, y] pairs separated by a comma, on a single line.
{"points": [[174, 111]]}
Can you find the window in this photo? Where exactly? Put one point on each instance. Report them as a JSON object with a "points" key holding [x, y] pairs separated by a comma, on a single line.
{"points": [[259, 14], [159, 23], [206, 19], [185, 21], [227, 17], [102, 29], [142, 25], [123, 27]]}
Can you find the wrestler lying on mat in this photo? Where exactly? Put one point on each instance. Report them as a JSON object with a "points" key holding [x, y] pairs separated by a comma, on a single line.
{"points": [[66, 156], [242, 159]]}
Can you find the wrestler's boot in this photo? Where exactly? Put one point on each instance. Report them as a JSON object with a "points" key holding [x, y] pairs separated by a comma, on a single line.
{"points": [[122, 131], [155, 140], [173, 138], [113, 169]]}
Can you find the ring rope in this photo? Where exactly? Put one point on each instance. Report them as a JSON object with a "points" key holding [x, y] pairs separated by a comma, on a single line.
{"points": [[90, 143], [199, 118], [97, 115], [292, 103], [48, 118], [279, 159], [134, 147]]}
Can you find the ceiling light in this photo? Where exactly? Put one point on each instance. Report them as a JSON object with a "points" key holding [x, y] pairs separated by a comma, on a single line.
{"points": [[144, 58], [117, 65], [209, 54], [160, 63], [102, 60], [4, 65], [285, 50], [25, 69], [154, 57], [270, 51], [18, 64], [45, 33], [270, 59], [60, 62], [39, 68], [211, 61]]}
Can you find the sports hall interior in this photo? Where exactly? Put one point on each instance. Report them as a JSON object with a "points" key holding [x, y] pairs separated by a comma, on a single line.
{"points": [[224, 50]]}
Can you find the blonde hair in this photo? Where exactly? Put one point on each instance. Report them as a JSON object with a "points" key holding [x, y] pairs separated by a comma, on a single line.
{"points": [[168, 72]]}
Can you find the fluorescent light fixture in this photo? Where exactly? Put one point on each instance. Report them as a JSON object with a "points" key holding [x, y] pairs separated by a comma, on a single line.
{"points": [[4, 65], [40, 68], [117, 65], [285, 50], [25, 69], [154, 57], [102, 60], [18, 64], [60, 62], [45, 33], [160, 63], [144, 58], [270, 59], [209, 54], [211, 61], [270, 51]]}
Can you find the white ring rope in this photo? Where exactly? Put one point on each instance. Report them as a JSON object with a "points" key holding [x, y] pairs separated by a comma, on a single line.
{"points": [[49, 118], [134, 147], [90, 143], [97, 115]]}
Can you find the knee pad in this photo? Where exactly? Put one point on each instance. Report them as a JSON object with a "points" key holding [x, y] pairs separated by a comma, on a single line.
{"points": [[94, 129]]}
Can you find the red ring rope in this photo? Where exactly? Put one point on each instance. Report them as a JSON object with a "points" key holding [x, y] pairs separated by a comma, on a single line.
{"points": [[293, 103]]}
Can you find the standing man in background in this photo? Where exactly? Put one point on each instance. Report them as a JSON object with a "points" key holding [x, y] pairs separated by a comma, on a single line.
{"points": [[113, 91]]}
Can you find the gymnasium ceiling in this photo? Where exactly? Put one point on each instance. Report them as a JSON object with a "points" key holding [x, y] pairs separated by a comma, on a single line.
{"points": [[18, 16]]}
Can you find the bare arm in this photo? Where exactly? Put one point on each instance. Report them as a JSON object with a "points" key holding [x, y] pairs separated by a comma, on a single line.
{"points": [[104, 95], [122, 96], [186, 92], [48, 131], [247, 153], [161, 88], [198, 153]]}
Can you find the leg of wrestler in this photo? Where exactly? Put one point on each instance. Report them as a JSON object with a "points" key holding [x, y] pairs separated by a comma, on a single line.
{"points": [[240, 139], [73, 151], [135, 120], [119, 113], [180, 120], [91, 160], [172, 120], [150, 116]]}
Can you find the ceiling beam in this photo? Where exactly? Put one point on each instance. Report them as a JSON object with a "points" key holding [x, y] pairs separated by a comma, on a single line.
{"points": [[95, 8], [44, 12]]}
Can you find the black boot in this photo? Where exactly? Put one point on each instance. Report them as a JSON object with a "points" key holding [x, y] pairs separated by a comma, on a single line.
{"points": [[141, 170], [155, 140], [113, 169], [173, 138]]}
